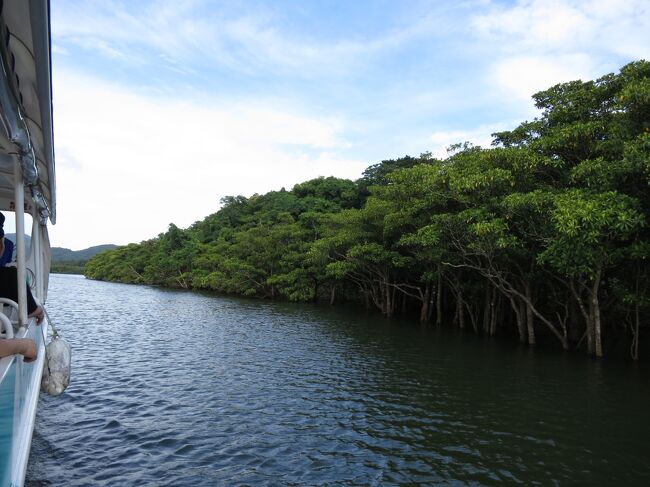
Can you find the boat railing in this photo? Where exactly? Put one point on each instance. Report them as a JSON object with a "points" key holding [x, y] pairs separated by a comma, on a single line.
{"points": [[11, 312], [7, 327], [7, 334]]}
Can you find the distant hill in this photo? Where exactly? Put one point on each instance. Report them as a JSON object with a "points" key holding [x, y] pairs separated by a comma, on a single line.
{"points": [[68, 261], [60, 254]]}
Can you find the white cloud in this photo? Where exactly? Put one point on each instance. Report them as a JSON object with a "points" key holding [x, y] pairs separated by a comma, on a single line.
{"points": [[523, 76], [480, 136], [538, 43], [547, 23], [129, 165], [567, 25]]}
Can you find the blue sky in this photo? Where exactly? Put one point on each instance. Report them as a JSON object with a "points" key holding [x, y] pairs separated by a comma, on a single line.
{"points": [[164, 107]]}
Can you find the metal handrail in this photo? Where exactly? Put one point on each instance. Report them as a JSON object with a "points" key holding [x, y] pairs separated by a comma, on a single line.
{"points": [[13, 304], [7, 325]]}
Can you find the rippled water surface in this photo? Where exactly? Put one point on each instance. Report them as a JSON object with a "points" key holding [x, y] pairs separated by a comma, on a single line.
{"points": [[176, 388]]}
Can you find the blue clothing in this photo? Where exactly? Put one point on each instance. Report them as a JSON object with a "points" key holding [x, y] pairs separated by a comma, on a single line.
{"points": [[8, 254]]}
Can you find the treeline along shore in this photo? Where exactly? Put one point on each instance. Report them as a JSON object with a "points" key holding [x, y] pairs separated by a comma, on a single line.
{"points": [[543, 236]]}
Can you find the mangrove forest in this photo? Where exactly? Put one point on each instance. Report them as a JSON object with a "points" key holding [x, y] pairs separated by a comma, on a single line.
{"points": [[543, 236]]}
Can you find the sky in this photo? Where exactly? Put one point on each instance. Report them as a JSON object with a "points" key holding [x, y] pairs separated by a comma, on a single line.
{"points": [[162, 108]]}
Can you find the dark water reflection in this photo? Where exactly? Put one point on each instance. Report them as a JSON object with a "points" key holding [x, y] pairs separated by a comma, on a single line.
{"points": [[175, 388]]}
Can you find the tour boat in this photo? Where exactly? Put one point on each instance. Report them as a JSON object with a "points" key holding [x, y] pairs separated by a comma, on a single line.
{"points": [[27, 186]]}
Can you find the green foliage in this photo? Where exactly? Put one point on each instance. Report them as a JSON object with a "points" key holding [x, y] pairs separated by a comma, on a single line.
{"points": [[326, 194], [590, 230], [68, 267]]}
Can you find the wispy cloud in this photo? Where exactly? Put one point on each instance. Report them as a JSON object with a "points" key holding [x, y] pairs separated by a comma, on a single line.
{"points": [[190, 32], [127, 30]]}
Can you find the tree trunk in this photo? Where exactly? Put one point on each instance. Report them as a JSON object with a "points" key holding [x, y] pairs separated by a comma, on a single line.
{"points": [[508, 288], [332, 294], [424, 311], [591, 343], [439, 299], [377, 296], [519, 316], [389, 301], [530, 319], [596, 308], [461, 311], [393, 298], [486, 308], [530, 326], [634, 350], [366, 296], [493, 313], [587, 315], [431, 306], [473, 319]]}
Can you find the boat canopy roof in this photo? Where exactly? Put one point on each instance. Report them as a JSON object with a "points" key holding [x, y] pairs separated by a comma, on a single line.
{"points": [[26, 133]]}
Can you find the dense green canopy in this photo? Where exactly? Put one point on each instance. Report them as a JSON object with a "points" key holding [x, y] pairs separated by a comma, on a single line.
{"points": [[544, 235]]}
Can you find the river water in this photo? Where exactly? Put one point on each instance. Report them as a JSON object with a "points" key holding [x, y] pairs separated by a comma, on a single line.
{"points": [[177, 388]]}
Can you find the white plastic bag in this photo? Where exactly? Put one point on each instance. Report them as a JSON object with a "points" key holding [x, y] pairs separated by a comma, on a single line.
{"points": [[56, 372]]}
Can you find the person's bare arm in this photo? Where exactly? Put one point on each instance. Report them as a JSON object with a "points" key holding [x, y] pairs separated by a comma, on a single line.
{"points": [[23, 346]]}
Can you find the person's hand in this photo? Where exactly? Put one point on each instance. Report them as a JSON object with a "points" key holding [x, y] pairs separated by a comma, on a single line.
{"points": [[27, 348], [38, 313]]}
